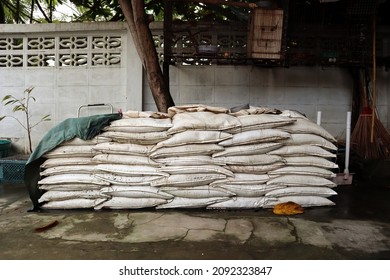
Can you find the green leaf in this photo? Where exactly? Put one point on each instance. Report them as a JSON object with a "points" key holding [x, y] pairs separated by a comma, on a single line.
{"points": [[19, 108], [46, 118], [6, 97], [10, 102], [2, 118], [29, 90]]}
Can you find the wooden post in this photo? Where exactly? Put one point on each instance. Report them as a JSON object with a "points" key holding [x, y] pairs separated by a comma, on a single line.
{"points": [[167, 40], [373, 78]]}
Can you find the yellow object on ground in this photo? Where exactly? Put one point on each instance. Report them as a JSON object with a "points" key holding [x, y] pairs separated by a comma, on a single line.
{"points": [[288, 208]]}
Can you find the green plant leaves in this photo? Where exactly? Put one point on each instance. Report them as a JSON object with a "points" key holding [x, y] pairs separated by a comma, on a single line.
{"points": [[6, 97], [22, 105], [19, 108], [46, 118]]}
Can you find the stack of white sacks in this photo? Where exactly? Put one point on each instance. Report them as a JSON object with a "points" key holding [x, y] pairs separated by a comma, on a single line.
{"points": [[194, 157]]}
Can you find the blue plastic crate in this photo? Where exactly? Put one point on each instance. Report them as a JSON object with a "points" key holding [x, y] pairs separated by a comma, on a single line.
{"points": [[12, 171], [5, 145]]}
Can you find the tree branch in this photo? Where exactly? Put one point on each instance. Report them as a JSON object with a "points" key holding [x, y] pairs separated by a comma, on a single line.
{"points": [[42, 11], [127, 10], [138, 23]]}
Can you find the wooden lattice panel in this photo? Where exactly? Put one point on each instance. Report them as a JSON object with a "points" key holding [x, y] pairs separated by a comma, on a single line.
{"points": [[265, 37]]}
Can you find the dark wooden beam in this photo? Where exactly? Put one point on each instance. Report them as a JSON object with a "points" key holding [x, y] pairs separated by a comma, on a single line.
{"points": [[167, 31]]}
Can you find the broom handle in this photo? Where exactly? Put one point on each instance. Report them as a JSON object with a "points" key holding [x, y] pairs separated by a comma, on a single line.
{"points": [[347, 143], [373, 79]]}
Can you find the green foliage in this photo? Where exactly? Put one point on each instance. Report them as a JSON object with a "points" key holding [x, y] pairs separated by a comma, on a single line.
{"points": [[19, 11], [24, 11], [23, 105]]}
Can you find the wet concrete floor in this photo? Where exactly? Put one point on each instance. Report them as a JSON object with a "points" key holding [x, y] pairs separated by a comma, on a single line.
{"points": [[358, 227]]}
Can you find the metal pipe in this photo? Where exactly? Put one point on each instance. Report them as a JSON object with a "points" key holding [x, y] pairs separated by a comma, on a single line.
{"points": [[318, 117], [347, 143]]}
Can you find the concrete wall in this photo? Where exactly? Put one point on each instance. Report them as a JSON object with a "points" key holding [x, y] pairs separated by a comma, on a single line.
{"points": [[61, 89], [82, 68], [305, 89]]}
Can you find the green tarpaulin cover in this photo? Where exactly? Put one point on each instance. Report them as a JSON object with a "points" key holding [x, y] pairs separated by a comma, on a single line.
{"points": [[84, 128]]}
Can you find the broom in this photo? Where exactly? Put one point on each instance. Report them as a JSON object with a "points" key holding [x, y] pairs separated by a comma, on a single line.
{"points": [[370, 139], [361, 144]]}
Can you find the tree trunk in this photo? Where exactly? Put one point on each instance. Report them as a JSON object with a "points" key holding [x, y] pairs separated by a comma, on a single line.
{"points": [[138, 22]]}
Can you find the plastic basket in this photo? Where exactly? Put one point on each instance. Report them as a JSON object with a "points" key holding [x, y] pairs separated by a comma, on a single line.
{"points": [[4, 148], [12, 171]]}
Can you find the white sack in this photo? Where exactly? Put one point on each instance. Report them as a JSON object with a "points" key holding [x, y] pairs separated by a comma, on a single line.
{"points": [[254, 110], [197, 192], [144, 114], [308, 127], [255, 137], [68, 169], [53, 162], [74, 203], [252, 159], [254, 169], [135, 192], [240, 203], [187, 169], [181, 202], [80, 142], [293, 114], [299, 170], [262, 121], [72, 179], [310, 139], [129, 170], [187, 150], [193, 137], [148, 138], [189, 160], [134, 129], [130, 203], [63, 195], [70, 151], [187, 180], [310, 161], [126, 180], [142, 122], [124, 159], [303, 200], [242, 178], [122, 148], [202, 121], [249, 190], [195, 108], [69, 187], [251, 149], [302, 150], [293, 191], [300, 181]]}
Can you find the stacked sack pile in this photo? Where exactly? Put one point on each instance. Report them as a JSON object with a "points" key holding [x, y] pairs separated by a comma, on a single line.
{"points": [[194, 157], [68, 176]]}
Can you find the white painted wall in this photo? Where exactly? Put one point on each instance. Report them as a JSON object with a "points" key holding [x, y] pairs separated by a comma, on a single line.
{"points": [[60, 90]]}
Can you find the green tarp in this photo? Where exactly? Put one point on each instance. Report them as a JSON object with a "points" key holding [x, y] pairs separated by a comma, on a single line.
{"points": [[84, 128]]}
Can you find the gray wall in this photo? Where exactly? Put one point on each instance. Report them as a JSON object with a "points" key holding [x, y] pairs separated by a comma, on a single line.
{"points": [[305, 89], [60, 90]]}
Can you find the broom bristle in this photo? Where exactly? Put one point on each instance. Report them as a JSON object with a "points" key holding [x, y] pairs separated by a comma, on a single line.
{"points": [[361, 142]]}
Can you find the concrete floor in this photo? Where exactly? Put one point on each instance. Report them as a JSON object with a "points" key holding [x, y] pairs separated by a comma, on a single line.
{"points": [[358, 227]]}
